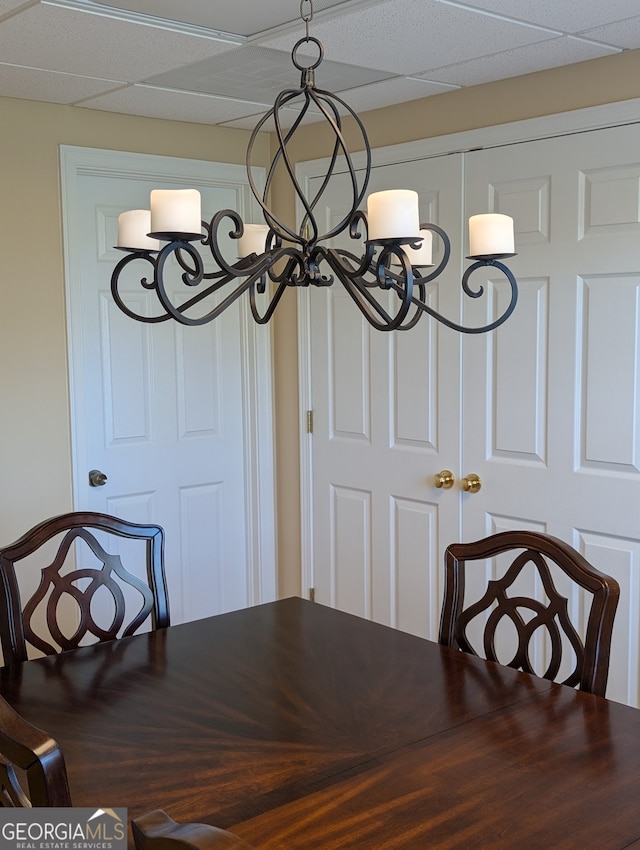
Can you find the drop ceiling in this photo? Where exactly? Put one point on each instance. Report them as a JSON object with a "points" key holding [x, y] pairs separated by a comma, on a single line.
{"points": [[223, 61]]}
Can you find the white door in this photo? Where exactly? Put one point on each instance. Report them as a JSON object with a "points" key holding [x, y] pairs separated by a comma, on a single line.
{"points": [[166, 411], [384, 425], [544, 410], [551, 401]]}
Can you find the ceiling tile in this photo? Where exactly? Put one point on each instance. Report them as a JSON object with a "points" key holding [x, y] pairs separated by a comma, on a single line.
{"points": [[287, 117], [523, 60], [567, 16], [259, 74], [77, 42], [7, 6], [365, 98], [244, 17], [181, 106], [152, 102], [389, 92], [404, 36], [50, 86], [625, 34], [247, 123]]}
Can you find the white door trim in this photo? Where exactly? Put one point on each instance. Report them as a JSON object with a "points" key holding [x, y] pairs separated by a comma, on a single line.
{"points": [[564, 123], [256, 347]]}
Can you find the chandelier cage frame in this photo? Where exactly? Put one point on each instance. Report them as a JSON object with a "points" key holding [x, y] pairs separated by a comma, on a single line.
{"points": [[293, 258]]}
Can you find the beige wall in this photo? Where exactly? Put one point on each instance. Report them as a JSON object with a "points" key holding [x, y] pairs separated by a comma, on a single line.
{"points": [[35, 455], [35, 451]]}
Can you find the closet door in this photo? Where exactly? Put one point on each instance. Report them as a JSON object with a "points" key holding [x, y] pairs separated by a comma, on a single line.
{"points": [[386, 420], [544, 410], [550, 403]]}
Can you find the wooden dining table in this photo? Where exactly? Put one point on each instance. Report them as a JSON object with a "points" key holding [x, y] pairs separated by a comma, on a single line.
{"points": [[295, 725]]}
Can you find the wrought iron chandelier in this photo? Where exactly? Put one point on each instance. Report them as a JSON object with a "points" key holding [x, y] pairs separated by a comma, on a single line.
{"points": [[388, 281]]}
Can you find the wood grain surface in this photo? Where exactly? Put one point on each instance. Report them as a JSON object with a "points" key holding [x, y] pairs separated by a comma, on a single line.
{"points": [[295, 725]]}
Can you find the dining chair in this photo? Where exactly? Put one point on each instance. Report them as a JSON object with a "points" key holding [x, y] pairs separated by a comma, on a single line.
{"points": [[28, 753], [526, 615], [157, 831], [80, 568]]}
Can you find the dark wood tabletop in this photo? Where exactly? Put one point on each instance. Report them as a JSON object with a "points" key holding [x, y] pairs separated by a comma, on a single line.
{"points": [[298, 726]]}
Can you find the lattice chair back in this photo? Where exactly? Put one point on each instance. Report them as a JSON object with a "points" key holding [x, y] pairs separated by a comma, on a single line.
{"points": [[82, 592], [529, 616]]}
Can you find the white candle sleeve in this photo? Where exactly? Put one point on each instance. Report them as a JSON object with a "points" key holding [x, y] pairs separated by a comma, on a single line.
{"points": [[393, 214], [133, 227], [253, 240], [490, 234], [176, 211]]}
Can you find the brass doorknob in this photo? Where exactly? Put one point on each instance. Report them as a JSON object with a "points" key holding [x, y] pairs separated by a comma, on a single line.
{"points": [[444, 479], [471, 483]]}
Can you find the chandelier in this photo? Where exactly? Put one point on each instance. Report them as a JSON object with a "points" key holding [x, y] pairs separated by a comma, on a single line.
{"points": [[387, 279]]}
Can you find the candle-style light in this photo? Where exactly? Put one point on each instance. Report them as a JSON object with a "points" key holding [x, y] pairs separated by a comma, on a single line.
{"points": [[133, 229], [253, 240], [393, 252], [491, 235], [176, 212], [393, 214]]}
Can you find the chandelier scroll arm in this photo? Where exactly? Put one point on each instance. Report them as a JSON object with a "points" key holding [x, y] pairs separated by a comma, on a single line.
{"points": [[115, 275], [446, 243], [263, 318], [412, 321], [359, 266], [211, 290], [171, 311], [286, 278], [192, 275], [361, 294], [178, 313], [243, 267], [476, 294], [364, 301]]}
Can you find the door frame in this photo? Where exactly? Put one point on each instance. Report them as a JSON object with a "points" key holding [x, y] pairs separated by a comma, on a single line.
{"points": [[257, 390], [531, 129]]}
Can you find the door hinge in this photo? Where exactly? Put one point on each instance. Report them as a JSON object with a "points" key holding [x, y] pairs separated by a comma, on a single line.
{"points": [[309, 421], [312, 594]]}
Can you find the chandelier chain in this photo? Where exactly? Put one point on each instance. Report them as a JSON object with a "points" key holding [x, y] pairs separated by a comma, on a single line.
{"points": [[307, 17]]}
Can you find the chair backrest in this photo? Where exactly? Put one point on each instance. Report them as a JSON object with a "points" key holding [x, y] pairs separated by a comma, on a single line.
{"points": [[527, 615], [29, 757], [80, 536]]}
